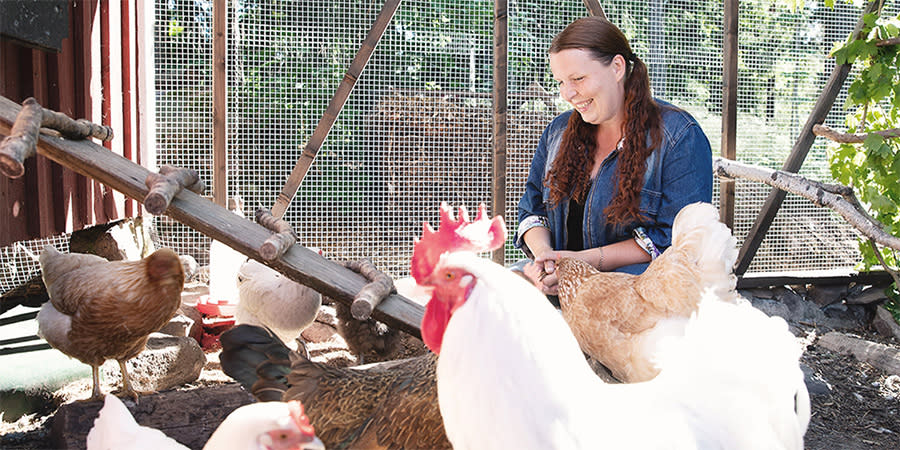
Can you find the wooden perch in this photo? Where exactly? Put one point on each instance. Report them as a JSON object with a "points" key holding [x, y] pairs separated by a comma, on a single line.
{"points": [[278, 243], [380, 286], [839, 198], [166, 184], [298, 263], [21, 143], [878, 355], [847, 138]]}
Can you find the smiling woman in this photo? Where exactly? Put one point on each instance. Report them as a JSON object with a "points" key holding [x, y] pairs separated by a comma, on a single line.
{"points": [[608, 177]]}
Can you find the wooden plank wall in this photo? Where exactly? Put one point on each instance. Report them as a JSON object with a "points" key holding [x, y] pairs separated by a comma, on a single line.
{"points": [[93, 77]]}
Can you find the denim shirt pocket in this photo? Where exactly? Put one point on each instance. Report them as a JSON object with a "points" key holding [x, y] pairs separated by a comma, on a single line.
{"points": [[650, 202]]}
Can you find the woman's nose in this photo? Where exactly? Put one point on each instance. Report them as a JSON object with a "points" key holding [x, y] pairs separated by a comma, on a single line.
{"points": [[567, 93]]}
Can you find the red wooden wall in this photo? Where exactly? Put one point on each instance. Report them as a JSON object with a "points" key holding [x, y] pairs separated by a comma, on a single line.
{"points": [[96, 77]]}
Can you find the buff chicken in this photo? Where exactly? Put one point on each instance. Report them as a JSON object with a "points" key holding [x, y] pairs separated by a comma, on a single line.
{"points": [[390, 407], [620, 318], [100, 310], [510, 373]]}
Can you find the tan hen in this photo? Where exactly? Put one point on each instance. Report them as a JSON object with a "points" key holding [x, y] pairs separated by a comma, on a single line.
{"points": [[618, 318]]}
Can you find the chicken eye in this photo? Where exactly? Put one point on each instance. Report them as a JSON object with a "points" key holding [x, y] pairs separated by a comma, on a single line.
{"points": [[449, 276]]}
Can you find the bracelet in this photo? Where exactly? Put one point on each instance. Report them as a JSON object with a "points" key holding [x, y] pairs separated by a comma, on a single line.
{"points": [[600, 262]]}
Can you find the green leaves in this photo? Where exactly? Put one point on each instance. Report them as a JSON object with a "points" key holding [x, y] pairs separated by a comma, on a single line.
{"points": [[873, 167]]}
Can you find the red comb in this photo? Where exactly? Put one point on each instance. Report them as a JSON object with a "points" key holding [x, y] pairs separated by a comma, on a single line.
{"points": [[482, 235], [300, 418]]}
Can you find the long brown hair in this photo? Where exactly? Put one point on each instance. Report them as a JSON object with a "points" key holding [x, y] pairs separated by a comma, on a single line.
{"points": [[568, 176]]}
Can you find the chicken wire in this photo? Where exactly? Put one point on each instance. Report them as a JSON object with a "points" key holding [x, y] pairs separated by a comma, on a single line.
{"points": [[417, 128]]}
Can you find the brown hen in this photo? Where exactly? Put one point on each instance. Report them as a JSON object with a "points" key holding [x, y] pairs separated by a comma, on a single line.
{"points": [[619, 318], [100, 310], [391, 405]]}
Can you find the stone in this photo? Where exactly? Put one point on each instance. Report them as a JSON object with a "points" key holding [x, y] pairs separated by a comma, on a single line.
{"points": [[871, 294], [826, 295], [180, 325], [885, 324], [167, 362], [318, 332]]}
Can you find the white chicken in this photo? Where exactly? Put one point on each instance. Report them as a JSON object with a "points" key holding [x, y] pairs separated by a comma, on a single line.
{"points": [[269, 299], [511, 375], [270, 425]]}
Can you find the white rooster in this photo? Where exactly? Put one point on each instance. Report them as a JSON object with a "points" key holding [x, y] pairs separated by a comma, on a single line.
{"points": [[511, 375], [264, 425], [269, 299]]}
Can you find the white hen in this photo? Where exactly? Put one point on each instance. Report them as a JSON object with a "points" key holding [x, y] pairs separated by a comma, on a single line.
{"points": [[269, 299], [271, 425], [511, 375]]}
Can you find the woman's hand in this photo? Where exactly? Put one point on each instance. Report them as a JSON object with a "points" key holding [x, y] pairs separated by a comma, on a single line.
{"points": [[542, 271]]}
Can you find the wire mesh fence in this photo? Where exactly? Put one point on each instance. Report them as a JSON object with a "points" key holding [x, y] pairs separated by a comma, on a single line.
{"points": [[417, 128]]}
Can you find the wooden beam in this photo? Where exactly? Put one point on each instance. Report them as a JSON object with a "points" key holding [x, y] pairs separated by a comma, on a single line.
{"points": [[298, 263], [594, 8], [769, 279], [334, 108], [729, 108], [220, 105], [804, 141], [501, 62]]}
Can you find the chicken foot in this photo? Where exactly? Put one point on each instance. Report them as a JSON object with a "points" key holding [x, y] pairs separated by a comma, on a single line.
{"points": [[126, 383]]}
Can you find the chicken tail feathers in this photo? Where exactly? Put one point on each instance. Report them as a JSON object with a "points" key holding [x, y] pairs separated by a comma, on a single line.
{"points": [[247, 349], [698, 232]]}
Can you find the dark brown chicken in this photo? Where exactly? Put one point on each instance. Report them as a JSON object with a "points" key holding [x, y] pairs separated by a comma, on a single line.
{"points": [[100, 310], [393, 405]]}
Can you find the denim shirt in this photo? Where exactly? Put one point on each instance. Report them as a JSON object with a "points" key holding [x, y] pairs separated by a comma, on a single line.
{"points": [[678, 173]]}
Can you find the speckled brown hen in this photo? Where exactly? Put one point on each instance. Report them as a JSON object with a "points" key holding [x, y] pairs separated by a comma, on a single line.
{"points": [[618, 318], [100, 310], [392, 406]]}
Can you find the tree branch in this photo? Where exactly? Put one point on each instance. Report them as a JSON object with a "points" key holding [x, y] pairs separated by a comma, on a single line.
{"points": [[847, 138], [839, 198], [886, 42]]}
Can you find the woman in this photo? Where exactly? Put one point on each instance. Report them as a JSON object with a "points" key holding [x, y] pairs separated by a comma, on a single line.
{"points": [[609, 176]]}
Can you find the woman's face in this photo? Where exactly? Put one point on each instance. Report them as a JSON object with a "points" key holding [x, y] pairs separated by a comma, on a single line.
{"points": [[595, 89]]}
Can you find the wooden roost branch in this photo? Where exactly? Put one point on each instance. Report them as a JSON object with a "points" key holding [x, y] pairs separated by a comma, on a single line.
{"points": [[21, 143], [166, 184], [379, 287], [278, 243]]}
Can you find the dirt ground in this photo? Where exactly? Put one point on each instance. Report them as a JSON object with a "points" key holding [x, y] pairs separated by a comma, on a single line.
{"points": [[860, 411]]}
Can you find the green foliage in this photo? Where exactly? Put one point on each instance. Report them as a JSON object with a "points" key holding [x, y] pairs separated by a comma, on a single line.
{"points": [[873, 167]]}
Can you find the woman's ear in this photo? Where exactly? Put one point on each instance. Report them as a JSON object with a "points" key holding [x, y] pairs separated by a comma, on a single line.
{"points": [[620, 66]]}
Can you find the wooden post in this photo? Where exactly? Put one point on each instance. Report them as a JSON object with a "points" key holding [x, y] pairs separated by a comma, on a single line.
{"points": [[499, 92], [220, 104], [804, 141], [334, 108], [595, 9], [729, 109]]}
